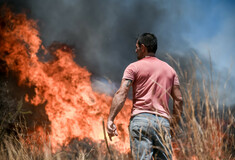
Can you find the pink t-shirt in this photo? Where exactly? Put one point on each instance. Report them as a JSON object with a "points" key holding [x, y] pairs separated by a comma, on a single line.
{"points": [[152, 83]]}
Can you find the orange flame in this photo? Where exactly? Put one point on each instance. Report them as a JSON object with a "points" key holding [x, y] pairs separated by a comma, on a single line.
{"points": [[73, 108]]}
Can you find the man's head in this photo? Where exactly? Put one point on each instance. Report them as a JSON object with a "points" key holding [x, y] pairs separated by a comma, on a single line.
{"points": [[146, 44]]}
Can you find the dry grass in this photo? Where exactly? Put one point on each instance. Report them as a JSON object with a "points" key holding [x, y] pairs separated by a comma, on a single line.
{"points": [[205, 129], [205, 132]]}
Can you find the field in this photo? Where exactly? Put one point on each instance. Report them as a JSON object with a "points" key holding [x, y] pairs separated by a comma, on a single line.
{"points": [[206, 129]]}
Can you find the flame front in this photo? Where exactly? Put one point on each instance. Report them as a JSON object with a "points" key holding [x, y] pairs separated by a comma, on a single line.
{"points": [[73, 108]]}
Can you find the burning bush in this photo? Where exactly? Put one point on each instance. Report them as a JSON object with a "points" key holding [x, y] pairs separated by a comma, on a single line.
{"points": [[73, 111], [59, 85]]}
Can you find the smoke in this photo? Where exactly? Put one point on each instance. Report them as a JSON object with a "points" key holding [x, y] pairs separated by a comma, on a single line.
{"points": [[104, 32]]}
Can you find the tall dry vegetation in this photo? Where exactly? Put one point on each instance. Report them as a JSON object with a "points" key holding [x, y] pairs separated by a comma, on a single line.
{"points": [[206, 131]]}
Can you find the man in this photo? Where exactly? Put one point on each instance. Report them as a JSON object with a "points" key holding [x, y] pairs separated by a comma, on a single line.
{"points": [[153, 82]]}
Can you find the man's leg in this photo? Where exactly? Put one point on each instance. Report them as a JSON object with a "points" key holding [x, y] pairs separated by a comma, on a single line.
{"points": [[162, 139], [140, 137]]}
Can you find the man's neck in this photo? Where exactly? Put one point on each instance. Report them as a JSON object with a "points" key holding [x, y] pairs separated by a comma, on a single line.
{"points": [[150, 55]]}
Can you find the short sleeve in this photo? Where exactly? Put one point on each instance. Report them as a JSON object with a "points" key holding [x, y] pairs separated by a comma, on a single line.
{"points": [[176, 80], [130, 72]]}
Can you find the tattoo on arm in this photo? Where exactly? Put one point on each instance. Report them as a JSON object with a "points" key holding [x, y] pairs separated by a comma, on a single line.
{"points": [[128, 83]]}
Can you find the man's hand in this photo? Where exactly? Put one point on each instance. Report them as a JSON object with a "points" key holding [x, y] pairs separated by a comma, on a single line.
{"points": [[117, 104], [111, 129]]}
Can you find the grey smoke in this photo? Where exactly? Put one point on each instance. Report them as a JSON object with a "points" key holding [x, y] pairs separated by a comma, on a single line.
{"points": [[104, 32]]}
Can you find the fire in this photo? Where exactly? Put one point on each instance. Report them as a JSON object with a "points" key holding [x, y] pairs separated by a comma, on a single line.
{"points": [[64, 88], [73, 108]]}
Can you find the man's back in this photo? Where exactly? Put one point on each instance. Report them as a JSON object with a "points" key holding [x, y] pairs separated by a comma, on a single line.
{"points": [[152, 83]]}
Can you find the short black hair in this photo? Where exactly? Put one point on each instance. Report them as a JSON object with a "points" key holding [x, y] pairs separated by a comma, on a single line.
{"points": [[149, 40]]}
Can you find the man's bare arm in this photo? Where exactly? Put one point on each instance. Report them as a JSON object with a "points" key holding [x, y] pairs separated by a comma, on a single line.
{"points": [[177, 103], [117, 104], [119, 99]]}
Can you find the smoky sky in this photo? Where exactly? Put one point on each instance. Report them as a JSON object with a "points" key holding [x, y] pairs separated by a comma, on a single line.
{"points": [[104, 33]]}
